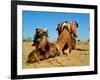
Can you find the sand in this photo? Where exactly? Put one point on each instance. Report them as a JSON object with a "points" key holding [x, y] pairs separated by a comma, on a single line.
{"points": [[78, 57]]}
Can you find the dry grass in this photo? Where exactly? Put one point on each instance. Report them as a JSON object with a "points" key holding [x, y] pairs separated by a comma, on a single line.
{"points": [[78, 57]]}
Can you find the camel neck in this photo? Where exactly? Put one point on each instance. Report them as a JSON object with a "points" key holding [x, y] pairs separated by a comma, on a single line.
{"points": [[62, 39]]}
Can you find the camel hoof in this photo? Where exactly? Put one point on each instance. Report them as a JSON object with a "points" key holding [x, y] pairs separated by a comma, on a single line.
{"points": [[67, 52]]}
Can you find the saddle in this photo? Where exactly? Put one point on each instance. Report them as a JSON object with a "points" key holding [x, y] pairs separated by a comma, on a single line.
{"points": [[68, 25]]}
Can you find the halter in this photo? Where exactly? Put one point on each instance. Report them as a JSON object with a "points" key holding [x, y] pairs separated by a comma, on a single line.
{"points": [[38, 38]]}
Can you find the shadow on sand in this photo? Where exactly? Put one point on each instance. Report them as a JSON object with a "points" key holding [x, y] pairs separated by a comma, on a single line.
{"points": [[81, 49]]}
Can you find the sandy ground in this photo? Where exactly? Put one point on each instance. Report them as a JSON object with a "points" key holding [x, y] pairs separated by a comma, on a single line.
{"points": [[79, 57]]}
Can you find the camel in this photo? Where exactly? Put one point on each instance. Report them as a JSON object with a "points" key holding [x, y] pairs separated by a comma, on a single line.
{"points": [[42, 45], [71, 27]]}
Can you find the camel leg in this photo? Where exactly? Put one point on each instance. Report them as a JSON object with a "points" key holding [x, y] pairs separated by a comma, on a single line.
{"points": [[68, 50], [47, 55]]}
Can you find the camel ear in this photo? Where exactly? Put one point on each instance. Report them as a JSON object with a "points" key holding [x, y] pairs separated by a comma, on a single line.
{"points": [[46, 33], [57, 27], [36, 28], [76, 24]]}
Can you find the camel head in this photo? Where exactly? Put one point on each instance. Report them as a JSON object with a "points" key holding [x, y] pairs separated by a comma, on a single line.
{"points": [[40, 31]]}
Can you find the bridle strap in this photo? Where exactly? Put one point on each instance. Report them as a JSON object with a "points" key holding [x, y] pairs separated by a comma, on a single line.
{"points": [[38, 38]]}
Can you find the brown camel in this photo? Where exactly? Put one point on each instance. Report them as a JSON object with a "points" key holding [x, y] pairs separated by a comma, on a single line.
{"points": [[42, 45], [71, 27]]}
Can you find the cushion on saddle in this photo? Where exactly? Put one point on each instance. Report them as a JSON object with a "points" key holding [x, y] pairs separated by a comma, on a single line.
{"points": [[70, 25], [67, 25]]}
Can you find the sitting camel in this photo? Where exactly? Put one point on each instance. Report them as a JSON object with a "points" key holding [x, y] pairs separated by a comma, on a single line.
{"points": [[71, 27], [66, 40], [44, 49], [42, 45]]}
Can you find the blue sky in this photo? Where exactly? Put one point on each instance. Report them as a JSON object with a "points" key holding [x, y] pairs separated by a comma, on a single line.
{"points": [[49, 20]]}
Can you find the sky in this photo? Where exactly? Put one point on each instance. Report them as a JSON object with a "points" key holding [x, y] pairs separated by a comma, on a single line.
{"points": [[49, 20]]}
